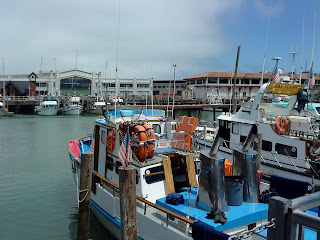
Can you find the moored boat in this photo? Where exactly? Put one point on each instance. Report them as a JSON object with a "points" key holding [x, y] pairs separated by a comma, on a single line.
{"points": [[3, 110], [47, 108], [72, 107], [287, 134], [168, 170]]}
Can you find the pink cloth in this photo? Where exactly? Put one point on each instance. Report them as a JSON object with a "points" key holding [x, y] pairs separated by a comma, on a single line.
{"points": [[73, 144], [259, 176]]}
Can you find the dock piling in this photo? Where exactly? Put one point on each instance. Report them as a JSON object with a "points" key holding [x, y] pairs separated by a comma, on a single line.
{"points": [[127, 185], [84, 196]]}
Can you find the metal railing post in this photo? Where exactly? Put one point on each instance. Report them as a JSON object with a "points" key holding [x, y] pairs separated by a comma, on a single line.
{"points": [[278, 208]]}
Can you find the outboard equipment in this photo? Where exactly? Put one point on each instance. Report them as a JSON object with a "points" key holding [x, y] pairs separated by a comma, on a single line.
{"points": [[211, 189], [245, 165]]}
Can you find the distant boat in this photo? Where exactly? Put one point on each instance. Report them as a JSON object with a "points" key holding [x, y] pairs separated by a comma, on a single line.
{"points": [[47, 108], [72, 107], [97, 107], [2, 109]]}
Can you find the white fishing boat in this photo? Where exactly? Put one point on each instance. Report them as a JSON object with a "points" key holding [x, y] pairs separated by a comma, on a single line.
{"points": [[287, 134], [47, 108], [97, 107], [3, 110], [72, 107], [166, 170]]}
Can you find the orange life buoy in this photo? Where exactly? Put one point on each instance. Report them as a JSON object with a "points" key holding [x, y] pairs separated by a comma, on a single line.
{"points": [[111, 140], [150, 136], [142, 137], [282, 125]]}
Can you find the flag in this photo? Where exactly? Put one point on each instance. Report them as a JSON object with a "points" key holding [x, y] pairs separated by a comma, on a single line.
{"points": [[311, 82], [311, 77], [256, 140], [276, 78], [125, 152]]}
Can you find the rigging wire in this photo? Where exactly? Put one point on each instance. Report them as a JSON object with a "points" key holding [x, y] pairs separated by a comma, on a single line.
{"points": [[116, 95], [266, 43], [302, 46]]}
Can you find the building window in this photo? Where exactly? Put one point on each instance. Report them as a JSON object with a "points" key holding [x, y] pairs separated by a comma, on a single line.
{"points": [[199, 81], [255, 81], [142, 85], [192, 82], [211, 80], [224, 80], [112, 85], [126, 85]]}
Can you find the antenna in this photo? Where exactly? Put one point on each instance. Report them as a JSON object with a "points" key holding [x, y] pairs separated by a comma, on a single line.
{"points": [[174, 86], [293, 55]]}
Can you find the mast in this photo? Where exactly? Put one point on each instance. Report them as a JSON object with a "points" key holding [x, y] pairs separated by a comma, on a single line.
{"points": [[4, 83], [234, 108], [174, 86]]}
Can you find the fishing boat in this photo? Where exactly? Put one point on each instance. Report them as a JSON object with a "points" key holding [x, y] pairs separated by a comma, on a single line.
{"points": [[3, 110], [199, 208], [97, 107], [287, 134], [47, 108], [72, 107]]}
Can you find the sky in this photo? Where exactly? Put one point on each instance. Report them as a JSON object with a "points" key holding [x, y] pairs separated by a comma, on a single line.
{"points": [[145, 38]]}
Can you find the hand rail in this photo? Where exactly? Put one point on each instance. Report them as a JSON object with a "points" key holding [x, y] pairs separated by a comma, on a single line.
{"points": [[168, 212]]}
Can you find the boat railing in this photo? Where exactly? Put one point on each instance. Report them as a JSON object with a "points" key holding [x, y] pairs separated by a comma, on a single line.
{"points": [[291, 160], [291, 217], [169, 214]]}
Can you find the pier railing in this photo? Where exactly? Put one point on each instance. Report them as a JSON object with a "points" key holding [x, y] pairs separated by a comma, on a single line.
{"points": [[19, 98], [291, 217]]}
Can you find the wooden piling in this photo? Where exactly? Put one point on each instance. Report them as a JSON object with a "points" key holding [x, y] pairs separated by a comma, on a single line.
{"points": [[84, 196], [128, 212]]}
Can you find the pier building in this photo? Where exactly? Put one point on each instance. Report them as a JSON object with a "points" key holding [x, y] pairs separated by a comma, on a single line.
{"points": [[204, 85]]}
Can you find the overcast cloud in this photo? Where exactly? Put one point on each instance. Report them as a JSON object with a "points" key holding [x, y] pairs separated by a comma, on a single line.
{"points": [[152, 36]]}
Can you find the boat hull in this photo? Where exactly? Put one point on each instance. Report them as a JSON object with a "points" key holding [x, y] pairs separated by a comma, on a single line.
{"points": [[48, 111], [72, 110]]}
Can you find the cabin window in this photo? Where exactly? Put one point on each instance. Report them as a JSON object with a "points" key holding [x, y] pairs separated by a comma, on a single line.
{"points": [[109, 163], [235, 128], [199, 81], [243, 139], [286, 150], [137, 177], [103, 137], [156, 128], [154, 174], [192, 81], [118, 165], [266, 145]]}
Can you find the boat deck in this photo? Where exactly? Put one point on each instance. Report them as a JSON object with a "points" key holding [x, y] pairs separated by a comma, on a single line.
{"points": [[237, 215]]}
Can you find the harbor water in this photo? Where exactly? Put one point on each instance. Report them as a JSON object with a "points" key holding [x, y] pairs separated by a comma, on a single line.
{"points": [[37, 191]]}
